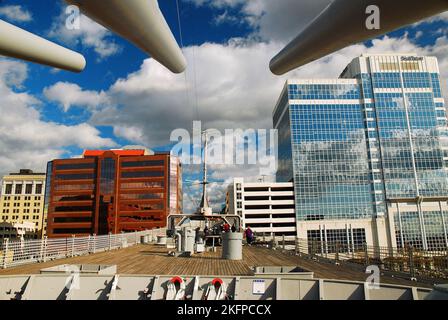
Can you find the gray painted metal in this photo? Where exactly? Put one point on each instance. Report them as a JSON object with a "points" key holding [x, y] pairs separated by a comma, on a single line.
{"points": [[148, 287], [188, 236], [82, 269], [232, 246], [18, 43], [142, 23], [440, 292], [343, 23]]}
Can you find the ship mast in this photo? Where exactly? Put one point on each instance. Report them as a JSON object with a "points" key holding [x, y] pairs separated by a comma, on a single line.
{"points": [[204, 208]]}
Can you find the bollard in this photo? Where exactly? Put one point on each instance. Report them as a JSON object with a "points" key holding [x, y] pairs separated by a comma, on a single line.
{"points": [[283, 242], [110, 241], [232, 246]]}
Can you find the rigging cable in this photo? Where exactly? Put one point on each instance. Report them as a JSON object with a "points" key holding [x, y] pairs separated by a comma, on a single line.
{"points": [[194, 105]]}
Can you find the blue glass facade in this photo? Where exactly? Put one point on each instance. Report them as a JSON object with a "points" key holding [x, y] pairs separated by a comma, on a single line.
{"points": [[352, 145]]}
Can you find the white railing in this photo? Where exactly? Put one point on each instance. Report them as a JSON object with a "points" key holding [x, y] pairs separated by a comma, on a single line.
{"points": [[20, 252]]}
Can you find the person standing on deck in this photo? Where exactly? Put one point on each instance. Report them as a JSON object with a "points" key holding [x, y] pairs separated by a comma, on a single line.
{"points": [[249, 235]]}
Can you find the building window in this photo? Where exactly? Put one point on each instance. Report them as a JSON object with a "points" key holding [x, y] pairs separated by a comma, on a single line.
{"points": [[142, 174], [238, 186], [75, 166], [77, 176], [38, 189], [29, 189], [18, 189], [8, 189]]}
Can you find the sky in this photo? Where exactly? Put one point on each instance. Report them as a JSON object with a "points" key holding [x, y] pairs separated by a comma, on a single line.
{"points": [[124, 97]]}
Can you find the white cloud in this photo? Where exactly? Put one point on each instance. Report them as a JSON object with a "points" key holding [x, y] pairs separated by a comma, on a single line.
{"points": [[27, 141], [69, 95], [15, 13], [279, 20], [90, 35]]}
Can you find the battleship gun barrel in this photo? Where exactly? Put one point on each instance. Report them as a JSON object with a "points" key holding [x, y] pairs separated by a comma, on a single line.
{"points": [[18, 43], [142, 23], [343, 23]]}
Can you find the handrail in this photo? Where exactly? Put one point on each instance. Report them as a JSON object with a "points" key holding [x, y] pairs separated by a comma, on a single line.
{"points": [[21, 252]]}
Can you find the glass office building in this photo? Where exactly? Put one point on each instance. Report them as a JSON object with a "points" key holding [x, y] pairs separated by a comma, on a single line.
{"points": [[368, 146]]}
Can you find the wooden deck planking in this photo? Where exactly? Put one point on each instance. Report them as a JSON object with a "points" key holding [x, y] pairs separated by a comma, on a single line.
{"points": [[153, 260]]}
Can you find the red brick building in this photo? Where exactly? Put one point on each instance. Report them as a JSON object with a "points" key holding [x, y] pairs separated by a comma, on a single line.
{"points": [[111, 191]]}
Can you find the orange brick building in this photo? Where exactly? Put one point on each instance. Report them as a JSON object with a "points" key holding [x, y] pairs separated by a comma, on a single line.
{"points": [[111, 191]]}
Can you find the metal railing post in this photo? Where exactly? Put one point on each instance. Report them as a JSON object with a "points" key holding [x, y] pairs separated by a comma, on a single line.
{"points": [[283, 242], [44, 258], [336, 256], [73, 246], [411, 262], [94, 243], [41, 251], [88, 244], [5, 253], [366, 254]]}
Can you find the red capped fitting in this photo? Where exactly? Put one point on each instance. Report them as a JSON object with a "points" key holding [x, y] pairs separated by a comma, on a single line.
{"points": [[217, 281], [176, 280]]}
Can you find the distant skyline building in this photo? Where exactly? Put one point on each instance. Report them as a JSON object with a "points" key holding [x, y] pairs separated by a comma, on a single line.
{"points": [[267, 207], [22, 203], [368, 153], [111, 192]]}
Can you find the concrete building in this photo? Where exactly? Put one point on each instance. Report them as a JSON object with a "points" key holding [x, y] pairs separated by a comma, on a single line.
{"points": [[112, 191], [22, 200], [368, 153], [268, 208], [18, 231]]}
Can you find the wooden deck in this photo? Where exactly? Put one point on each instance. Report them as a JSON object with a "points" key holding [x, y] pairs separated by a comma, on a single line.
{"points": [[154, 260]]}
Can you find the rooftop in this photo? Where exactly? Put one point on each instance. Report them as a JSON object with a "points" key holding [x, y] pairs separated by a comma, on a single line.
{"points": [[26, 172]]}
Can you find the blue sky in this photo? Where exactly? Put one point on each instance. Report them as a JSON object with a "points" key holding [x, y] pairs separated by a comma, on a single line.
{"points": [[125, 98]]}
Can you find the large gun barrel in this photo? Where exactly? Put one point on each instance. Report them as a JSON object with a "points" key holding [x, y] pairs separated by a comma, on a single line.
{"points": [[21, 44], [343, 23], [142, 23]]}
